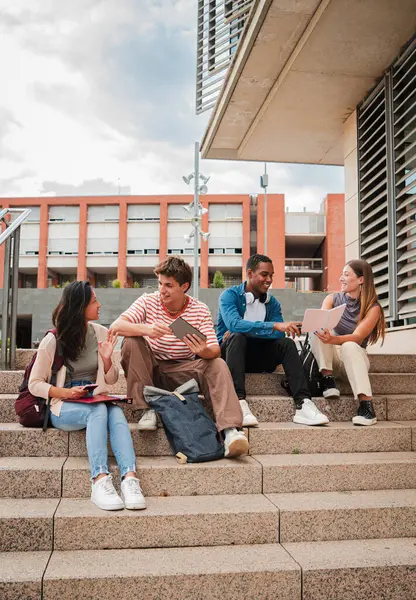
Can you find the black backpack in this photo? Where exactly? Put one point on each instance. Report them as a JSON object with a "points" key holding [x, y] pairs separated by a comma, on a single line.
{"points": [[313, 376], [191, 432], [33, 411]]}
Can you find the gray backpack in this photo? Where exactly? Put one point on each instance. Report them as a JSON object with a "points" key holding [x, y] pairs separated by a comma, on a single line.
{"points": [[192, 434]]}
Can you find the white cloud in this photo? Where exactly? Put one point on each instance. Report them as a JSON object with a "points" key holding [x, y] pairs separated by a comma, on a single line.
{"points": [[101, 93]]}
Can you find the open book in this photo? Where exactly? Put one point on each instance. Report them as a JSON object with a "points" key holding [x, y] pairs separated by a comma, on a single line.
{"points": [[321, 318]]}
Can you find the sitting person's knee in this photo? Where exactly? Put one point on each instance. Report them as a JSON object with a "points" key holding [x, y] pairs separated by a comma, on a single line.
{"points": [[98, 410], [347, 347], [239, 338]]}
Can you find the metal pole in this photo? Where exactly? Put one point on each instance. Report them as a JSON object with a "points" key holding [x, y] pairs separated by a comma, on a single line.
{"points": [[196, 223], [14, 292], [265, 211], [5, 312]]}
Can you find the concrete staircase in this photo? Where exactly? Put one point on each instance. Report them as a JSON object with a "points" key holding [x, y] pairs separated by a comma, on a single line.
{"points": [[314, 513]]}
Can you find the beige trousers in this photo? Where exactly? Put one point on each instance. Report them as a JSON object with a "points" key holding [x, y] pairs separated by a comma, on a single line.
{"points": [[348, 361]]}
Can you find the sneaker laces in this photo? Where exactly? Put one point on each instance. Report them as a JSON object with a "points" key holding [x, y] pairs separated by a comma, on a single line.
{"points": [[107, 485], [133, 484], [315, 410]]}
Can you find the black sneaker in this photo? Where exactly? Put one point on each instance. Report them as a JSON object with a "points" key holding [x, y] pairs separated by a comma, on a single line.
{"points": [[365, 414], [329, 389]]}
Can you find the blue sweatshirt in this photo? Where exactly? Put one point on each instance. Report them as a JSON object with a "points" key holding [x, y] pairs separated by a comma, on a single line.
{"points": [[232, 306]]}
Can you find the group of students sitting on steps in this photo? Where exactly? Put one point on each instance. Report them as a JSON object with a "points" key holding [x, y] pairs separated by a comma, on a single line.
{"points": [[251, 337]]}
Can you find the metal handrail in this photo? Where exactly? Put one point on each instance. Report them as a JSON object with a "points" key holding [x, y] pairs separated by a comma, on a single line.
{"points": [[11, 238]]}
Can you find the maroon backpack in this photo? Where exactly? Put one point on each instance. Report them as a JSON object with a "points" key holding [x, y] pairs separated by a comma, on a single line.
{"points": [[33, 411]]}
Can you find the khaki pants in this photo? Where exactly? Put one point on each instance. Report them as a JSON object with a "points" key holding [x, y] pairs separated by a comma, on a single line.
{"points": [[348, 361], [213, 376]]}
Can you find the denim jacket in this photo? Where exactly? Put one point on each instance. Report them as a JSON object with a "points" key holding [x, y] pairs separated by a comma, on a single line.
{"points": [[232, 306]]}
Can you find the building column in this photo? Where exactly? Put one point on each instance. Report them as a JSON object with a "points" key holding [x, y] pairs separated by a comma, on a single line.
{"points": [[275, 234], [203, 261], [82, 242], [43, 246], [352, 249], [163, 232], [2, 228], [246, 236], [122, 244], [334, 254]]}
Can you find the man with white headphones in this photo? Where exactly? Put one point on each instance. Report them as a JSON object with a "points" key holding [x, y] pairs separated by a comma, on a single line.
{"points": [[252, 335]]}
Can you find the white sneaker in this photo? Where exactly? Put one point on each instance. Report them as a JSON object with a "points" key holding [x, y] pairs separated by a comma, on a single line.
{"points": [[235, 443], [104, 495], [131, 494], [309, 414], [249, 420], [148, 422]]}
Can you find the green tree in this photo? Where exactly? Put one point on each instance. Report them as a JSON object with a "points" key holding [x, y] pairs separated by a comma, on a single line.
{"points": [[136, 284], [218, 281], [116, 283]]}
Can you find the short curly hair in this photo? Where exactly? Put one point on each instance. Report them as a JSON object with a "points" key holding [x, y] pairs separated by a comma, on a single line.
{"points": [[175, 267], [255, 259]]}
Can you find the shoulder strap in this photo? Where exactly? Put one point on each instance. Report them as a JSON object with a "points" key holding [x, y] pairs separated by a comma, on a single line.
{"points": [[58, 359]]}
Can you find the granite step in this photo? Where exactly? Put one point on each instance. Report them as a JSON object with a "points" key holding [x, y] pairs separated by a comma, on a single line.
{"points": [[21, 574], [320, 516], [278, 408], [290, 438], [205, 573], [26, 525], [17, 441], [357, 569], [174, 521], [269, 384], [337, 472], [257, 384], [164, 476], [31, 477], [379, 363]]}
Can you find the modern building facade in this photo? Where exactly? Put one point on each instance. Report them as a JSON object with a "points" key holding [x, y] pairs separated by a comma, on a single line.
{"points": [[122, 237], [333, 82]]}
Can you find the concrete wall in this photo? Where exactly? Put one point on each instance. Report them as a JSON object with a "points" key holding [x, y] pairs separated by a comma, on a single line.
{"points": [[352, 250], [38, 304]]}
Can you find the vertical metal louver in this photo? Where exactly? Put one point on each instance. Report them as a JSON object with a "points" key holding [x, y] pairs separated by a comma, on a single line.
{"points": [[404, 131], [387, 187], [373, 188], [219, 27]]}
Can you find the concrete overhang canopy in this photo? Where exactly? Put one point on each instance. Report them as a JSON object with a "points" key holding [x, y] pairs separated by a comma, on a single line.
{"points": [[301, 68]]}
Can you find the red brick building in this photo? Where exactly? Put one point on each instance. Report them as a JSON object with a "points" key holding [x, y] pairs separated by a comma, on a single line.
{"points": [[122, 237]]}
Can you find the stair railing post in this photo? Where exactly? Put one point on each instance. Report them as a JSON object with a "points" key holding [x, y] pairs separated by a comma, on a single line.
{"points": [[6, 303], [13, 300]]}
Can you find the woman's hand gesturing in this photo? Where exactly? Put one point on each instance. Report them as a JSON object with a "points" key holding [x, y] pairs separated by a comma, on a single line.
{"points": [[105, 349]]}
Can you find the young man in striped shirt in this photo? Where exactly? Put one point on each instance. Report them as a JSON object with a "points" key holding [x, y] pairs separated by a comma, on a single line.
{"points": [[153, 355]]}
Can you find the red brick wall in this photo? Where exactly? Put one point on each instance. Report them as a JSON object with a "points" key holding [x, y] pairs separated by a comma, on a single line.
{"points": [[334, 246]]}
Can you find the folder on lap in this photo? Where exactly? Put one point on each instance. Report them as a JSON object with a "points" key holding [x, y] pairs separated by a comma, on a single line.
{"points": [[321, 318]]}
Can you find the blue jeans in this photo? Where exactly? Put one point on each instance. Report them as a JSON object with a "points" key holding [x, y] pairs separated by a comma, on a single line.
{"points": [[98, 419]]}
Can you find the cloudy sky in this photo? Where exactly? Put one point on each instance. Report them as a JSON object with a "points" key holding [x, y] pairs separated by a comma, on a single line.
{"points": [[98, 94]]}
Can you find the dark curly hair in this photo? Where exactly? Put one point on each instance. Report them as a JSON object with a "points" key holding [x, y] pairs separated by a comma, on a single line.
{"points": [[69, 318], [255, 259], [175, 267]]}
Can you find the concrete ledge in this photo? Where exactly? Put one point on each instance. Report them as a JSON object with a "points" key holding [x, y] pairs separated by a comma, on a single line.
{"points": [[167, 522], [26, 525], [356, 569], [256, 571], [30, 477], [321, 516], [16, 440], [338, 472], [21, 574], [163, 476], [288, 438]]}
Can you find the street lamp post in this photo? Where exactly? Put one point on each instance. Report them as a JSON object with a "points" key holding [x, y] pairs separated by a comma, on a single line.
{"points": [[264, 182], [197, 212]]}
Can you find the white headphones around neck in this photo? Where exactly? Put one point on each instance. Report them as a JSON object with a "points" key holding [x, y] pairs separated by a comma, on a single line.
{"points": [[250, 298]]}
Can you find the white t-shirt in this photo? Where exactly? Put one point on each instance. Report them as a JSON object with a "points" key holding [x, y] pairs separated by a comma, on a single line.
{"points": [[255, 310]]}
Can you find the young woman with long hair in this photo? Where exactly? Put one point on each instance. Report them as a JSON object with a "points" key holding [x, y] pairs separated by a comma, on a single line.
{"points": [[344, 348], [88, 349]]}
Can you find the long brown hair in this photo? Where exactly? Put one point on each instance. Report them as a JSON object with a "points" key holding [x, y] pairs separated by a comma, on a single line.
{"points": [[368, 298], [69, 318]]}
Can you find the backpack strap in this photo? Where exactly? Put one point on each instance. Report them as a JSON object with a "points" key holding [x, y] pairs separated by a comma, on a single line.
{"points": [[58, 362]]}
